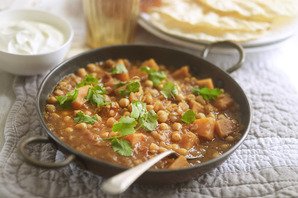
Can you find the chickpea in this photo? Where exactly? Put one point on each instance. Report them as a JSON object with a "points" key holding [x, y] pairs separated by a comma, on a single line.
{"points": [[215, 154], [55, 116], [149, 107], [91, 67], [155, 134], [179, 97], [105, 135], [177, 126], [126, 113], [162, 116], [111, 121], [153, 148], [87, 112], [176, 137], [69, 130], [124, 102], [132, 97], [158, 106], [182, 151], [230, 138], [183, 105], [112, 113], [81, 126], [161, 149], [164, 126], [160, 86], [148, 99], [52, 100], [191, 97], [154, 92], [82, 72], [201, 115], [148, 83], [51, 108], [67, 119], [225, 146], [58, 92], [175, 146]]}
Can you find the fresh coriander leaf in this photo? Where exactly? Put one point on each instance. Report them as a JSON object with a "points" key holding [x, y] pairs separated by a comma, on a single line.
{"points": [[88, 80], [189, 117], [138, 109], [131, 87], [68, 98], [149, 120], [81, 117], [120, 84], [119, 69], [125, 126], [169, 90], [122, 147], [155, 76], [98, 99], [95, 95], [206, 93]]}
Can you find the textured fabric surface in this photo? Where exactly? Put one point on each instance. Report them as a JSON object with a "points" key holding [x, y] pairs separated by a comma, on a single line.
{"points": [[266, 164]]}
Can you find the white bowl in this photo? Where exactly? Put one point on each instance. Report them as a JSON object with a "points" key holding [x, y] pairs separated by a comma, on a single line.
{"points": [[39, 63]]}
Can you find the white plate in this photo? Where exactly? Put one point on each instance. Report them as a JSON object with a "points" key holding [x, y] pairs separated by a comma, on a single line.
{"points": [[270, 40]]}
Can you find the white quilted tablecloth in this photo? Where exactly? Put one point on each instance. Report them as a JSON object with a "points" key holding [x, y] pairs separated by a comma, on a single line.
{"points": [[266, 165]]}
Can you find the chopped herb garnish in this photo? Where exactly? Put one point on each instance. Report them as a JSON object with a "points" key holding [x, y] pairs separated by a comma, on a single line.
{"points": [[155, 76], [138, 109], [206, 93], [119, 69], [122, 147], [96, 95], [131, 87], [88, 80], [169, 90], [125, 126], [68, 98], [81, 117], [149, 120], [188, 117]]}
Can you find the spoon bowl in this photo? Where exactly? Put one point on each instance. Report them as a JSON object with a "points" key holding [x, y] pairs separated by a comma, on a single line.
{"points": [[121, 182]]}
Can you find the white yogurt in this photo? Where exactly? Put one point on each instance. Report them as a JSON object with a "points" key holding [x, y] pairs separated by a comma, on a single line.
{"points": [[29, 37]]}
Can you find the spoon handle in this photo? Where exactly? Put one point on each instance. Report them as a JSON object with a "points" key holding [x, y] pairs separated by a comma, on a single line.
{"points": [[119, 183]]}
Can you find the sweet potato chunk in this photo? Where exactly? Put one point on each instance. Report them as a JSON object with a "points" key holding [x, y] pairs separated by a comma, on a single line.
{"points": [[183, 72], [122, 77], [204, 127], [188, 140], [207, 82], [196, 107], [223, 102], [180, 162], [151, 63], [136, 138], [80, 100], [224, 126]]}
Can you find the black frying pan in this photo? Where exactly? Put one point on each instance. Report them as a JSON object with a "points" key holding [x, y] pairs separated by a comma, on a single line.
{"points": [[166, 56]]}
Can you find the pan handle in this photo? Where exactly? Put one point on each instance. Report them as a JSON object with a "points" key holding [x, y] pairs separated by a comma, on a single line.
{"points": [[30, 160], [237, 46]]}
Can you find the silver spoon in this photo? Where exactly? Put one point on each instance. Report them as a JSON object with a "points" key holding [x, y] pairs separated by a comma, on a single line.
{"points": [[119, 183]]}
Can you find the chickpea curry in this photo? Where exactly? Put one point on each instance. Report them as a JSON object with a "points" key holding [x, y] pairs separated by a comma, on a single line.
{"points": [[127, 112]]}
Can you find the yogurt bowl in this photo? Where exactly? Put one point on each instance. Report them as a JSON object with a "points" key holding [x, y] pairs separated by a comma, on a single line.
{"points": [[32, 41]]}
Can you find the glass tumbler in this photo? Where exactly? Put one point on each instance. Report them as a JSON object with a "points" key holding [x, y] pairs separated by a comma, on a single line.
{"points": [[110, 22]]}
